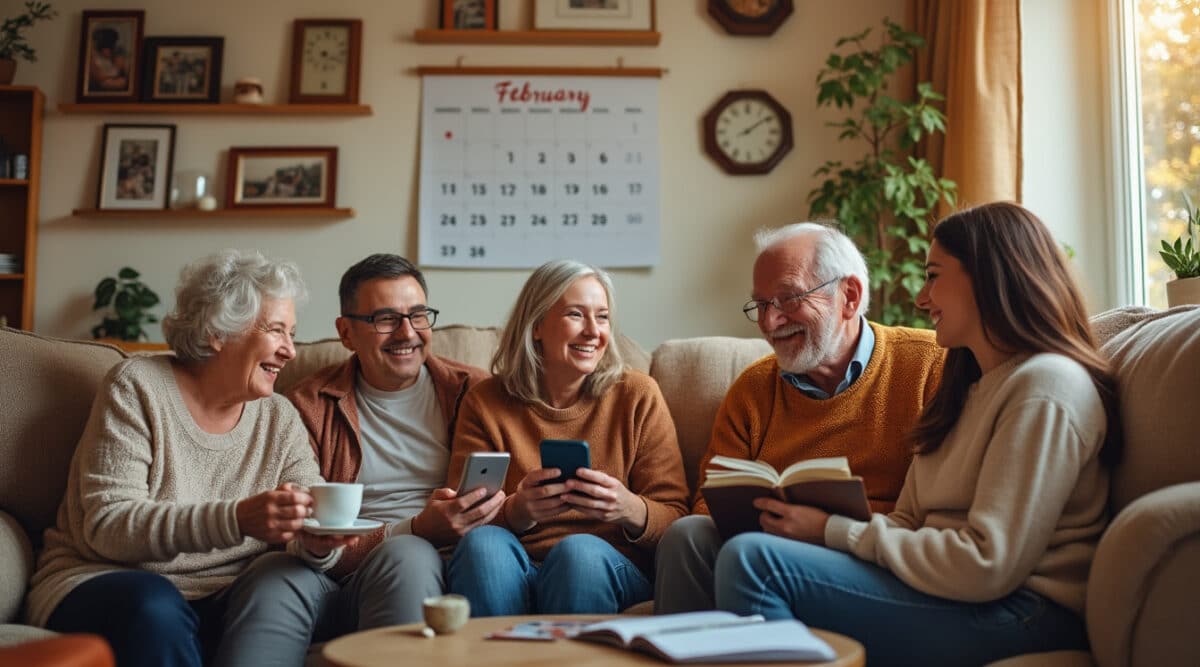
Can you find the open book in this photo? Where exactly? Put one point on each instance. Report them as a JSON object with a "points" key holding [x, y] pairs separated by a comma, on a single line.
{"points": [[711, 636], [731, 486]]}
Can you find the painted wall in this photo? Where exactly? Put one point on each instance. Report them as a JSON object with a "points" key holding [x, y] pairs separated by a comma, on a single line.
{"points": [[708, 217], [1065, 112]]}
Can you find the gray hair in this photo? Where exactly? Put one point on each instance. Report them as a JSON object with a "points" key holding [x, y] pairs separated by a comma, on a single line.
{"points": [[835, 255], [221, 296], [518, 360]]}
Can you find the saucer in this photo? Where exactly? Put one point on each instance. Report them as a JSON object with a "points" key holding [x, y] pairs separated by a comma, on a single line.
{"points": [[359, 527]]}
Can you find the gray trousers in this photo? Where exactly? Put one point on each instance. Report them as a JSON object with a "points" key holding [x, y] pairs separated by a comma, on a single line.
{"points": [[279, 605], [683, 563]]}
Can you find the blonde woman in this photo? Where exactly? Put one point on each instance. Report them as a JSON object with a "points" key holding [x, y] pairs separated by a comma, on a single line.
{"points": [[585, 545]]}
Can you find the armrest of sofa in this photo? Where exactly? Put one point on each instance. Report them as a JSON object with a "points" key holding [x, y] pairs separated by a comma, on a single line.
{"points": [[16, 566], [1143, 586]]}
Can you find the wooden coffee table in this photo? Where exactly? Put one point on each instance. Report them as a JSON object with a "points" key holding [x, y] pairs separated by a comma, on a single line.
{"points": [[405, 645]]}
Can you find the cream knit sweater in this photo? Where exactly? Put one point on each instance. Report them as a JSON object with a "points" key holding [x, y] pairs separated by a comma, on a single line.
{"points": [[149, 490], [1014, 498]]}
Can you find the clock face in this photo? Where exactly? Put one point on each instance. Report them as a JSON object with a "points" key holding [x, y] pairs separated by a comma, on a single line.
{"points": [[326, 58], [750, 17], [748, 132]]}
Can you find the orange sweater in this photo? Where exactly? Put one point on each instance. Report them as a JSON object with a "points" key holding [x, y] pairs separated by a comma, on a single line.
{"points": [[631, 437], [764, 418]]}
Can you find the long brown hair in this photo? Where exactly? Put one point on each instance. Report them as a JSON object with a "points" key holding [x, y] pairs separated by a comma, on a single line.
{"points": [[1028, 303]]}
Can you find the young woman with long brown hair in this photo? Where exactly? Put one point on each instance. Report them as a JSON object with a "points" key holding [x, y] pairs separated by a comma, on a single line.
{"points": [[986, 554]]}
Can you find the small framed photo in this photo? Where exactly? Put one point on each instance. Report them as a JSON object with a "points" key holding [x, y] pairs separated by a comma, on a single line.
{"points": [[110, 55], [326, 57], [469, 15], [182, 69], [135, 166], [302, 176], [593, 14]]}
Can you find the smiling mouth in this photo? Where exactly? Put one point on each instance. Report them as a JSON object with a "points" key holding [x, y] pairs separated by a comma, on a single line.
{"points": [[271, 369], [587, 349], [785, 333], [401, 350]]}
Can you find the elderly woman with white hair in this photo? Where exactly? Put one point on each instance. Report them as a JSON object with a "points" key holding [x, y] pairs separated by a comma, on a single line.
{"points": [[585, 545], [188, 469]]}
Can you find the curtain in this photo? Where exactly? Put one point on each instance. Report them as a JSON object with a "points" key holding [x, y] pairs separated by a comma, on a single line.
{"points": [[973, 57]]}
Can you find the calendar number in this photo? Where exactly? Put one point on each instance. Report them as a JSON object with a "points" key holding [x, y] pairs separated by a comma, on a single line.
{"points": [[478, 189], [449, 220], [537, 220], [448, 250], [599, 189], [571, 188], [477, 251], [635, 188], [599, 219], [478, 220], [507, 189], [538, 189], [508, 220], [448, 189], [570, 219]]}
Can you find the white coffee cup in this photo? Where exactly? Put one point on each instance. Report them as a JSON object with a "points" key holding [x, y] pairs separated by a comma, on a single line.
{"points": [[446, 613], [336, 504]]}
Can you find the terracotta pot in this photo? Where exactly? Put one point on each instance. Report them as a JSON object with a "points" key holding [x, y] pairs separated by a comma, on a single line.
{"points": [[8, 70], [1183, 290]]}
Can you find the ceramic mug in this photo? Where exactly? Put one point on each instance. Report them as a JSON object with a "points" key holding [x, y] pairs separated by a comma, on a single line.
{"points": [[446, 613], [336, 504]]}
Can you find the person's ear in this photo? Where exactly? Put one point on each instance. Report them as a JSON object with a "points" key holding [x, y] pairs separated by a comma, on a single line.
{"points": [[343, 325], [852, 291]]}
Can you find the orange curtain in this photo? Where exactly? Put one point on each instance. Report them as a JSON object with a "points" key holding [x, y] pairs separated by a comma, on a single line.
{"points": [[973, 57]]}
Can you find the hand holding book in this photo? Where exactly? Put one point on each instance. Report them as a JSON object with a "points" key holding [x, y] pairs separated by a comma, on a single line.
{"points": [[732, 485]]}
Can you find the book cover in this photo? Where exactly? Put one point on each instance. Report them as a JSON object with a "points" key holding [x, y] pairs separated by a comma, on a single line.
{"points": [[731, 487]]}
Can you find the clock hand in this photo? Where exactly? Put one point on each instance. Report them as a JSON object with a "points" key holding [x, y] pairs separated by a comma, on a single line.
{"points": [[746, 131]]}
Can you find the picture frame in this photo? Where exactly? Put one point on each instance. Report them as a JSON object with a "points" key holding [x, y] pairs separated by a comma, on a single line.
{"points": [[136, 162], [110, 56], [469, 15], [326, 61], [281, 176], [182, 70], [629, 15]]}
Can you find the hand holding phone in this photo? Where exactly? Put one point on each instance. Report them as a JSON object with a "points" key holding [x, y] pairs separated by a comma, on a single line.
{"points": [[484, 469]]}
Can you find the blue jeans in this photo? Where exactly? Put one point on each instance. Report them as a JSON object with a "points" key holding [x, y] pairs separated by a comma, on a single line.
{"points": [[582, 574], [777, 577]]}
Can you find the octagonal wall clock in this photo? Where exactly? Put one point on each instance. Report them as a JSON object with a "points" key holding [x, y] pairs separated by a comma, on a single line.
{"points": [[747, 132], [756, 18]]}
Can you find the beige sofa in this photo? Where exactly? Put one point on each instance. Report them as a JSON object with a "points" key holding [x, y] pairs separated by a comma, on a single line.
{"points": [[1143, 583]]}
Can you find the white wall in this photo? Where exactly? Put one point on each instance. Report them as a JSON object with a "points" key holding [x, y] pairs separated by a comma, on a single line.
{"points": [[1065, 110], [708, 217]]}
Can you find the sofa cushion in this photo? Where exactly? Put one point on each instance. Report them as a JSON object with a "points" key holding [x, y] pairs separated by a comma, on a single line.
{"points": [[1157, 364], [16, 566], [46, 387], [694, 374]]}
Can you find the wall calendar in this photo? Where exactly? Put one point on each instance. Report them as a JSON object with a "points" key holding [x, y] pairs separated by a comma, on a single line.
{"points": [[518, 170]]}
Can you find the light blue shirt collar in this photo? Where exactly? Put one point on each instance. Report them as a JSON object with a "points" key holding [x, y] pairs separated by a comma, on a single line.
{"points": [[858, 363]]}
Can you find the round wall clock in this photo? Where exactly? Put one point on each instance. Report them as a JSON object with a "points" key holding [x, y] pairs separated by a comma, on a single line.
{"points": [[325, 61], [750, 17], [747, 132]]}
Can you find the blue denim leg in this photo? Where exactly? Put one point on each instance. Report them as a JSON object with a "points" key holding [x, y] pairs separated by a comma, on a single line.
{"points": [[490, 567], [583, 574], [142, 615], [763, 574]]}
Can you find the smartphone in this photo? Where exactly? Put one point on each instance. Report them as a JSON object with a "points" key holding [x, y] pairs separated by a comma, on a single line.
{"points": [[566, 455], [486, 469]]}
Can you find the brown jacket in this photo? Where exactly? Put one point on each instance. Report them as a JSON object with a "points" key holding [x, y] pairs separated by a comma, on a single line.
{"points": [[327, 407]]}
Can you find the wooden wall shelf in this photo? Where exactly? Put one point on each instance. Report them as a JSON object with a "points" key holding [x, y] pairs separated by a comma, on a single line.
{"points": [[11, 182], [12, 276], [261, 212], [222, 109], [541, 37]]}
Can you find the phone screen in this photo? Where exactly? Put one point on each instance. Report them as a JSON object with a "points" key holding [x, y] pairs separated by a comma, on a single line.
{"points": [[566, 455]]}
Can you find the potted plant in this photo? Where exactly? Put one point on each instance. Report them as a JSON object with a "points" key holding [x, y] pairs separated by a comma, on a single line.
{"points": [[1183, 258], [129, 301], [12, 41], [885, 198]]}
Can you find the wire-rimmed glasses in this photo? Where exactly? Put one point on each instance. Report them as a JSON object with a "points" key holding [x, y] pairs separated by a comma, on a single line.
{"points": [[756, 308]]}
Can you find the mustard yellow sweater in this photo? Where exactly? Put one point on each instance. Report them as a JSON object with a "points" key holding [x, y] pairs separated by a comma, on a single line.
{"points": [[631, 437], [766, 419]]}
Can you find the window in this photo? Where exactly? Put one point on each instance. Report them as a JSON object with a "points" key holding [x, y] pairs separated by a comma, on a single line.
{"points": [[1165, 117]]}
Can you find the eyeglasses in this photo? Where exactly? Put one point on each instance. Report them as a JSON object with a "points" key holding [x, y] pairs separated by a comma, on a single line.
{"points": [[387, 321], [756, 308]]}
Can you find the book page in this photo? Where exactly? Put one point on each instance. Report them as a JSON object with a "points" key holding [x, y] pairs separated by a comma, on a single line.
{"points": [[622, 630], [787, 640], [743, 468], [834, 467]]}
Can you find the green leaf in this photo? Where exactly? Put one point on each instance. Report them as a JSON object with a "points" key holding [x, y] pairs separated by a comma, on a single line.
{"points": [[104, 292], [127, 273]]}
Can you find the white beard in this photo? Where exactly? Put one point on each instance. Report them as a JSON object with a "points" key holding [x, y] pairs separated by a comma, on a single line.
{"points": [[819, 343]]}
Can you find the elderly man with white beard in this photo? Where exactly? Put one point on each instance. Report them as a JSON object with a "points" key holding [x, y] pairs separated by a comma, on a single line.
{"points": [[837, 385]]}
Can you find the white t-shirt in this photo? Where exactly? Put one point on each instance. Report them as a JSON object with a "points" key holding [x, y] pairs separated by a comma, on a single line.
{"points": [[404, 450]]}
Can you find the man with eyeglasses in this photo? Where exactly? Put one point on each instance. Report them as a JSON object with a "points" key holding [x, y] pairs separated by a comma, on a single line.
{"points": [[385, 418], [837, 385]]}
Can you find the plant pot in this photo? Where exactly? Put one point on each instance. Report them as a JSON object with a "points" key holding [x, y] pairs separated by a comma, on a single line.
{"points": [[1183, 290], [8, 70]]}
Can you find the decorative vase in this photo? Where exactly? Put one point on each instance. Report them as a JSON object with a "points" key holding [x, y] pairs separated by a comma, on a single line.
{"points": [[189, 187], [1183, 290], [8, 70]]}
